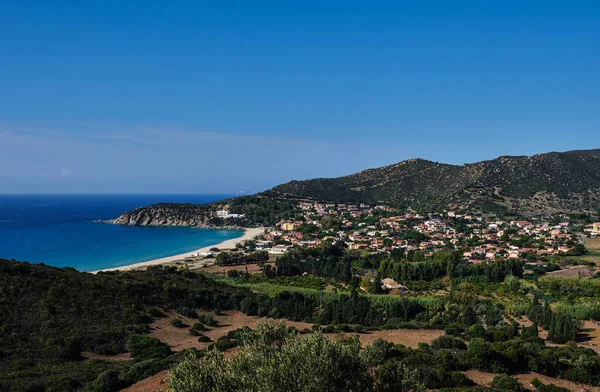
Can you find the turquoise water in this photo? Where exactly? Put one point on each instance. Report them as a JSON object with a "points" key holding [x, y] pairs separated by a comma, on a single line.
{"points": [[59, 230]]}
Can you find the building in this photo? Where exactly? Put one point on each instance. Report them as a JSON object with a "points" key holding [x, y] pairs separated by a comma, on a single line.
{"points": [[288, 226], [225, 214], [279, 249], [393, 286]]}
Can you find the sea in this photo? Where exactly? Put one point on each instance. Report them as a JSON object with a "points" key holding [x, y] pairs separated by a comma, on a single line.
{"points": [[63, 230]]}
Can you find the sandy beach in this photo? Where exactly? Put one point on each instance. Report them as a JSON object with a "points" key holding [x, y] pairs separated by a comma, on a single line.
{"points": [[248, 235]]}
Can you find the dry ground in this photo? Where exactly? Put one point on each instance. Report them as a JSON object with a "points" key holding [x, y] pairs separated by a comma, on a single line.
{"points": [[221, 269], [581, 271], [155, 383], [485, 378], [180, 339]]}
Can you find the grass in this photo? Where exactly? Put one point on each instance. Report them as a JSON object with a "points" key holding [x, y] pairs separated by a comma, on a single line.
{"points": [[593, 247]]}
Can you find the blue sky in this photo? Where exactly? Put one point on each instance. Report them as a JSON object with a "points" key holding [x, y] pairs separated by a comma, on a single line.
{"points": [[212, 97]]}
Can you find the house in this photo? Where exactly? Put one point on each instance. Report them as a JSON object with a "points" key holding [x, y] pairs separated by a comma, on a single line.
{"points": [[225, 214], [391, 284], [288, 226], [279, 249], [355, 246]]}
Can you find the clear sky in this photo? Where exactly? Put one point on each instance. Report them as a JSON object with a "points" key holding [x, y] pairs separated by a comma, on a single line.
{"points": [[221, 96]]}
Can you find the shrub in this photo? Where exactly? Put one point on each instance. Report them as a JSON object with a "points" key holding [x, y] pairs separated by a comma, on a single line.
{"points": [[547, 387], [187, 312], [177, 323], [208, 319], [144, 348], [156, 313], [107, 381], [142, 370], [477, 331], [200, 327], [453, 329], [223, 344], [507, 383], [315, 364], [448, 342]]}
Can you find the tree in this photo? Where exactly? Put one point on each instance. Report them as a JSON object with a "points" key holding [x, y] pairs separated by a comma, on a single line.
{"points": [[396, 377], [274, 358], [563, 328], [478, 353], [507, 383]]}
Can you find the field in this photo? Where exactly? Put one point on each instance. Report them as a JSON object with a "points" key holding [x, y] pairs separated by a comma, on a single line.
{"points": [[180, 339], [485, 379], [223, 269], [581, 271], [593, 247]]}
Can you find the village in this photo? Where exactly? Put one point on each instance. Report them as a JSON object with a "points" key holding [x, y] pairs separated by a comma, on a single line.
{"points": [[379, 228]]}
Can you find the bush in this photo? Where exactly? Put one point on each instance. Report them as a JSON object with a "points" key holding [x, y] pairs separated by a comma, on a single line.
{"points": [[547, 387], [177, 323], [329, 329], [507, 383], [199, 327], [448, 342], [155, 313], [223, 344], [477, 331], [143, 370], [187, 312], [107, 381], [208, 319], [315, 363], [204, 339], [143, 348], [453, 330]]}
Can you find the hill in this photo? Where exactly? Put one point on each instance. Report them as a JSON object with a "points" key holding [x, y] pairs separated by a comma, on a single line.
{"points": [[538, 184], [541, 184], [256, 211], [50, 316]]}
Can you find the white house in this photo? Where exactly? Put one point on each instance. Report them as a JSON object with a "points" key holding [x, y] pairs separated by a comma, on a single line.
{"points": [[279, 249], [225, 214]]}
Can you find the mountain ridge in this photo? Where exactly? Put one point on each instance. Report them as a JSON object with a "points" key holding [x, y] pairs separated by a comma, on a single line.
{"points": [[540, 184], [556, 181]]}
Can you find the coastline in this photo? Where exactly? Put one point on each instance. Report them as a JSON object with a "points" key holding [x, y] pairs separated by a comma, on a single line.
{"points": [[249, 234]]}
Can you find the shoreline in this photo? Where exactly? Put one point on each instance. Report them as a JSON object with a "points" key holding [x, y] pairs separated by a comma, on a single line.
{"points": [[249, 234]]}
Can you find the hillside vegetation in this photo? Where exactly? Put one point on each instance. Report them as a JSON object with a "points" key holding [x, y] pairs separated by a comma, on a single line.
{"points": [[536, 184], [257, 211], [50, 316]]}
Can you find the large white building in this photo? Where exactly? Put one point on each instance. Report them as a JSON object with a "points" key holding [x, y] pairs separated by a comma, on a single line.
{"points": [[225, 214]]}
